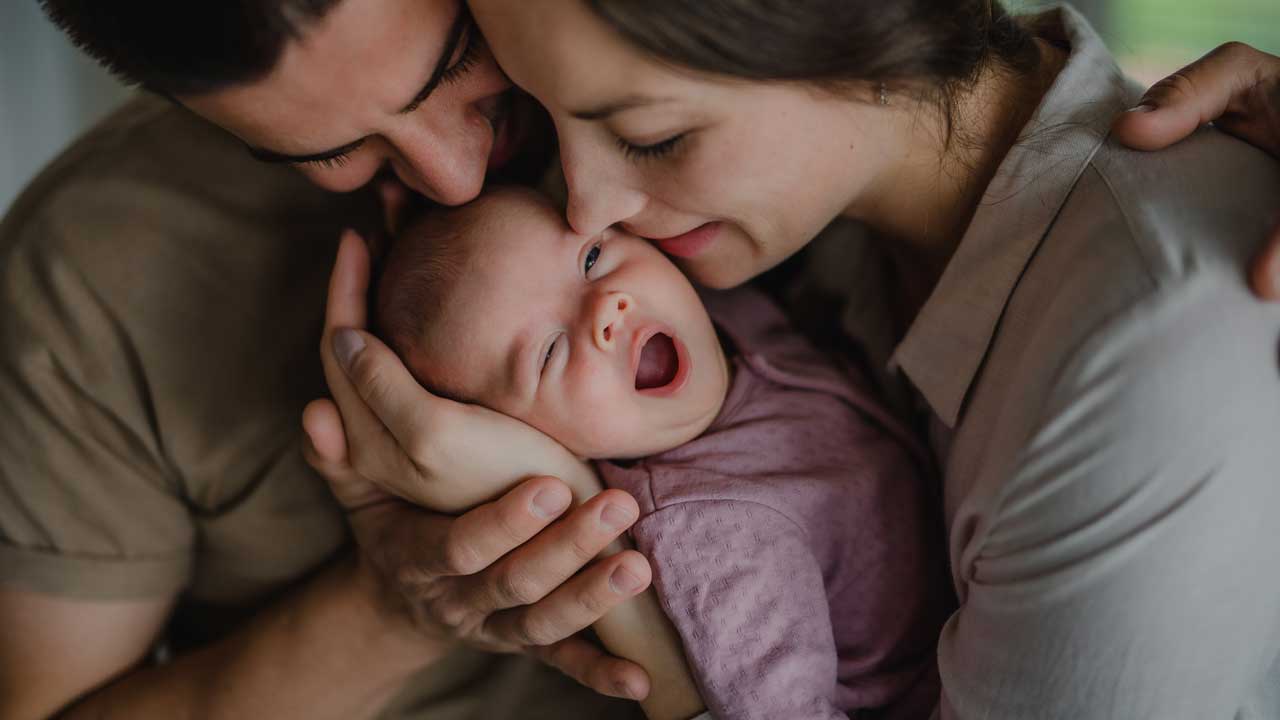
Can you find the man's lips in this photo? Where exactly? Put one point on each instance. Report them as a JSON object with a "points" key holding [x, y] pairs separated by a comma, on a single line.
{"points": [[505, 132], [692, 243], [673, 380]]}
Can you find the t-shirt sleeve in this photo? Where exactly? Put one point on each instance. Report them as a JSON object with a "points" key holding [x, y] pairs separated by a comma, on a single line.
{"points": [[1129, 570], [88, 507], [746, 595]]}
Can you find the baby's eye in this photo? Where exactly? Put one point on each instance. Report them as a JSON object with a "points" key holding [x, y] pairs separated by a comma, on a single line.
{"points": [[547, 358], [592, 256]]}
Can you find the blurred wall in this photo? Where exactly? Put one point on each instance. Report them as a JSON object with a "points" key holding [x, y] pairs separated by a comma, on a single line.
{"points": [[49, 93]]}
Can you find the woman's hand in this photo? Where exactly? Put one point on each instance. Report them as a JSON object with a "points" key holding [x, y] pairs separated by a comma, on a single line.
{"points": [[1238, 89], [509, 574]]}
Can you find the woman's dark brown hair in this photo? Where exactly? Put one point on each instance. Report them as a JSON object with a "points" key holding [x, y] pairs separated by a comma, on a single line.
{"points": [[930, 46]]}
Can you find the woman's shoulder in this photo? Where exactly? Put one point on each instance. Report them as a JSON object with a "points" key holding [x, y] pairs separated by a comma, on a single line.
{"points": [[1203, 205]]}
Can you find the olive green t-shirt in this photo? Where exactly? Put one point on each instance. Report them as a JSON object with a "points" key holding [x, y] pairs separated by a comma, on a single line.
{"points": [[162, 302]]}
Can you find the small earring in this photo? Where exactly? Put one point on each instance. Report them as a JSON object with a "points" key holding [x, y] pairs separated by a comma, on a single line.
{"points": [[884, 95]]}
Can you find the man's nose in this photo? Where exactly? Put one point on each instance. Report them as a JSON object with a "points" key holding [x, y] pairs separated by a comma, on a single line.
{"points": [[445, 167], [608, 318]]}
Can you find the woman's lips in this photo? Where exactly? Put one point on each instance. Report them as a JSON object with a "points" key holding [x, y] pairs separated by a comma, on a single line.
{"points": [[692, 243]]}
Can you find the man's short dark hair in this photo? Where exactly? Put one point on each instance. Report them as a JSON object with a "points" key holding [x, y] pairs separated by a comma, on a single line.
{"points": [[185, 47]]}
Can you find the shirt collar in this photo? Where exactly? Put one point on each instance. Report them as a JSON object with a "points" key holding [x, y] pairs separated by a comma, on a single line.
{"points": [[947, 342]]}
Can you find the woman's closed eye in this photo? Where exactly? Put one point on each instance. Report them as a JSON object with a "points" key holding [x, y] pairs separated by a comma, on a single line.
{"points": [[652, 151]]}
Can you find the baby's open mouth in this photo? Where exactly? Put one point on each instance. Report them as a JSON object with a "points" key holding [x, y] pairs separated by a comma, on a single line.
{"points": [[659, 363]]}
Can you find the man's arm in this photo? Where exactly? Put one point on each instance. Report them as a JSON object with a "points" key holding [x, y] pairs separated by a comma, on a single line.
{"points": [[1237, 88], [324, 652]]}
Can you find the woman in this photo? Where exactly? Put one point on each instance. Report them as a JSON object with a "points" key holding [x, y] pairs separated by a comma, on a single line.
{"points": [[1068, 306]]}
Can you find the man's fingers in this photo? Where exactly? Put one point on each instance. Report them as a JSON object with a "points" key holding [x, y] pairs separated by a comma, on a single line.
{"points": [[323, 426], [347, 304], [482, 536], [595, 668], [1195, 95], [1265, 275], [575, 605], [532, 571]]}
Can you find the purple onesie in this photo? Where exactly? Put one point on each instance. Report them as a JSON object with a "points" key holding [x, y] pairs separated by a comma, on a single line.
{"points": [[796, 544]]}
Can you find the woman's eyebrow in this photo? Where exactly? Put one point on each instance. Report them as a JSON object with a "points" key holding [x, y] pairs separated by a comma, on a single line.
{"points": [[626, 103], [456, 32]]}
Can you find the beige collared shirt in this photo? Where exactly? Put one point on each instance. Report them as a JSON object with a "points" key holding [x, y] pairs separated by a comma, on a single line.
{"points": [[1106, 393]]}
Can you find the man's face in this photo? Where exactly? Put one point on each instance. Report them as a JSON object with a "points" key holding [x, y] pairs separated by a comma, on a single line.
{"points": [[404, 84], [599, 342]]}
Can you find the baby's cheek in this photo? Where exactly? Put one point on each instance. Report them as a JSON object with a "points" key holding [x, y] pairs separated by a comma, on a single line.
{"points": [[594, 424]]}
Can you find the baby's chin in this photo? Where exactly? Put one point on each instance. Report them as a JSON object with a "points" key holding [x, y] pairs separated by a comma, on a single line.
{"points": [[638, 441]]}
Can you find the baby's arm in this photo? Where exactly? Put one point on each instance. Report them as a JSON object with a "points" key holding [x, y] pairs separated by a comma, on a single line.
{"points": [[480, 454], [741, 583]]}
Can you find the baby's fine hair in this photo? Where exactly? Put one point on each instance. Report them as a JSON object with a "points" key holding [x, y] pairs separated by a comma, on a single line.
{"points": [[419, 272]]}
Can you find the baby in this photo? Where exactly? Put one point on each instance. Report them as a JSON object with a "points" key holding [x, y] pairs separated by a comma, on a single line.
{"points": [[784, 512]]}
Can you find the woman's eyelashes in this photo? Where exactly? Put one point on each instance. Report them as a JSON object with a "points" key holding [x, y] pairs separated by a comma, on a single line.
{"points": [[653, 151]]}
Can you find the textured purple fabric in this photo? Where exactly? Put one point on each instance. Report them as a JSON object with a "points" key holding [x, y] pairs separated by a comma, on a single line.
{"points": [[796, 544]]}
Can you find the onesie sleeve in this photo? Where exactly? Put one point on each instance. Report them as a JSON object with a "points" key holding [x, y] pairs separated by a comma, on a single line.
{"points": [[746, 594]]}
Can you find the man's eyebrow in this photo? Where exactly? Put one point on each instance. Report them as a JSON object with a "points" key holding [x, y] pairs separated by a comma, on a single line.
{"points": [[626, 103], [460, 26]]}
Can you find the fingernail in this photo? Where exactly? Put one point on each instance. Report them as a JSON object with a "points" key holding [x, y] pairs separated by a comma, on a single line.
{"points": [[624, 690], [624, 582], [347, 344], [614, 517], [549, 503], [1143, 108]]}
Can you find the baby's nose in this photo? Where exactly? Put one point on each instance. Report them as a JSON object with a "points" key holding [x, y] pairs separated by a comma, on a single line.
{"points": [[610, 311]]}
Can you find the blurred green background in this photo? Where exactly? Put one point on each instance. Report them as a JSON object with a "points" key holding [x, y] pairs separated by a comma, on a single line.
{"points": [[1151, 38]]}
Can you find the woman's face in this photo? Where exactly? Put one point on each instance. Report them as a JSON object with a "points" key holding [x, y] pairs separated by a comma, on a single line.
{"points": [[729, 177], [402, 84]]}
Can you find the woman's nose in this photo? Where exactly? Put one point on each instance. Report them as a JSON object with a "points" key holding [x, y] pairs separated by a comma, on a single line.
{"points": [[597, 196], [608, 318]]}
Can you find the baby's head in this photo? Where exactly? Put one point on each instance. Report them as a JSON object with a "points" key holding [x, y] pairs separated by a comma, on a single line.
{"points": [[599, 342]]}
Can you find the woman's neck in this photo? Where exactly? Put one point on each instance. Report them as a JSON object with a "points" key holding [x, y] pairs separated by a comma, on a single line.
{"points": [[921, 206]]}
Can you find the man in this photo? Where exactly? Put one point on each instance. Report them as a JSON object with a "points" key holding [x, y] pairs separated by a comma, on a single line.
{"points": [[160, 289]]}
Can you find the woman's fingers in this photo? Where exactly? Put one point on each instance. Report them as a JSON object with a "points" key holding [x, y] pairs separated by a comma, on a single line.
{"points": [[533, 571], [594, 668], [1231, 80], [573, 606]]}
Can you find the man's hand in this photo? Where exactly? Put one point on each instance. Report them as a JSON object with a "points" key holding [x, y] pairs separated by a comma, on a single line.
{"points": [[1238, 89], [508, 575]]}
